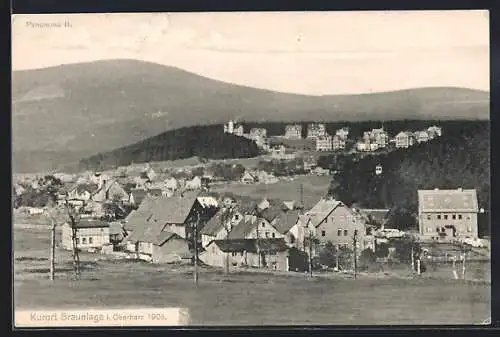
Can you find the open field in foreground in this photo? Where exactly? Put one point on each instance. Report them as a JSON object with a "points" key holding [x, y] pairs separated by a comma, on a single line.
{"points": [[314, 187], [243, 298]]}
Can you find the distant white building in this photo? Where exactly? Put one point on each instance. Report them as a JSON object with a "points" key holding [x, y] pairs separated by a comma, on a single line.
{"points": [[233, 128], [434, 131], [316, 130], [343, 133], [293, 131], [422, 136], [338, 143], [324, 143]]}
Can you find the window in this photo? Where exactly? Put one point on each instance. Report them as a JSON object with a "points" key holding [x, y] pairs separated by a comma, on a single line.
{"points": [[339, 232], [439, 216], [323, 233], [468, 217], [273, 235], [454, 217], [428, 216], [345, 232], [84, 240], [263, 224], [437, 229], [77, 240], [446, 216], [236, 217], [267, 234], [90, 240], [460, 217]]}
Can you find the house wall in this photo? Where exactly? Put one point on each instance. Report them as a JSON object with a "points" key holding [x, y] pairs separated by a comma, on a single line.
{"points": [[171, 251], [339, 226], [465, 223], [86, 237], [262, 230]]}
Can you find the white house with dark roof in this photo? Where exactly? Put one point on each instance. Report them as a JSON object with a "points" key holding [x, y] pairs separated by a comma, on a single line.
{"points": [[448, 214]]}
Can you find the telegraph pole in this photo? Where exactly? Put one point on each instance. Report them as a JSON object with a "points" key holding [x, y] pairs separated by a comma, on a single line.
{"points": [[355, 243], [52, 245], [195, 240], [258, 244], [463, 261]]}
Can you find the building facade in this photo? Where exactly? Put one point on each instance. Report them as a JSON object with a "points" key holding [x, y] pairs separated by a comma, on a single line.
{"points": [[293, 131], [324, 143], [316, 130], [89, 234], [448, 214], [404, 140]]}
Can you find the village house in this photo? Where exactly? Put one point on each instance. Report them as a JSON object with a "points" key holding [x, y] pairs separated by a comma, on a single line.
{"points": [[265, 253], [171, 184], [422, 136], [404, 139], [155, 244], [316, 130], [363, 146], [296, 235], [343, 133], [193, 184], [324, 143], [110, 191], [293, 131], [247, 178], [338, 143], [335, 222], [380, 137], [434, 131], [90, 234], [177, 214], [218, 227], [448, 214], [258, 135]]}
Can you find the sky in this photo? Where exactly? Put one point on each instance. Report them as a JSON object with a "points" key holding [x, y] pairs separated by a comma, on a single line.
{"points": [[314, 53]]}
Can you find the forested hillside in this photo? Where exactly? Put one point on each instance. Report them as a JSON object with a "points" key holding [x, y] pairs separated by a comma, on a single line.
{"points": [[460, 158], [203, 141]]}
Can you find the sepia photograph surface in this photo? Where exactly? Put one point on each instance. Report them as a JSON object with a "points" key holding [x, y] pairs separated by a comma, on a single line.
{"points": [[251, 169]]}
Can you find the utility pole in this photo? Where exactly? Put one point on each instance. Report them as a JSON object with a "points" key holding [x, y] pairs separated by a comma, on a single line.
{"points": [[195, 241], [355, 243], [52, 245], [226, 217], [412, 259], [337, 253], [258, 244], [463, 261], [301, 195], [74, 219], [310, 253]]}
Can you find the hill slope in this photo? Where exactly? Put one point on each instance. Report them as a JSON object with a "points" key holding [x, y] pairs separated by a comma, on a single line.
{"points": [[460, 158], [201, 141], [68, 112]]}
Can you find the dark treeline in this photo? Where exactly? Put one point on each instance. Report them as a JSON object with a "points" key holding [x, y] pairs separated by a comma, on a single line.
{"points": [[460, 158], [203, 141]]}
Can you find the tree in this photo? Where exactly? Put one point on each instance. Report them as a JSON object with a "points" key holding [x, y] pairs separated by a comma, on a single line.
{"points": [[401, 218], [74, 219]]}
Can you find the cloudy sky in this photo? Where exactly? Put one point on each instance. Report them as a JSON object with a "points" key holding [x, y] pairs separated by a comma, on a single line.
{"points": [[311, 53]]}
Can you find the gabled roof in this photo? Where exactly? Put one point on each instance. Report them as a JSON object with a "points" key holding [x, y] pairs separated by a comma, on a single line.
{"points": [[91, 223], [252, 245], [214, 225], [448, 201], [286, 221], [270, 213], [138, 194], [175, 209], [137, 218], [242, 230], [321, 210], [153, 233]]}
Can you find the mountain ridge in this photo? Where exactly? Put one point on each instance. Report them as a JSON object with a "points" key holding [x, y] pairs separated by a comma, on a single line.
{"points": [[99, 106]]}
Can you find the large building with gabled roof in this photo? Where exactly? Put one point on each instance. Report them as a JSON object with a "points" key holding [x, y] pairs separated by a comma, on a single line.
{"points": [[448, 214]]}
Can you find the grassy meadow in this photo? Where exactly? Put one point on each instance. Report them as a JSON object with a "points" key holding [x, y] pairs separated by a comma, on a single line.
{"points": [[242, 298], [314, 187]]}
